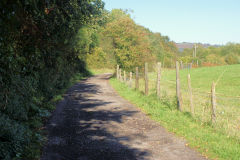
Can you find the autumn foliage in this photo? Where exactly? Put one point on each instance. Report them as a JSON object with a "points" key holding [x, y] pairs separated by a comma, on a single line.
{"points": [[130, 45]]}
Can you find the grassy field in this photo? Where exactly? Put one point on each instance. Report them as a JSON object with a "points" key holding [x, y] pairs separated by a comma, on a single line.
{"points": [[221, 140], [227, 93]]}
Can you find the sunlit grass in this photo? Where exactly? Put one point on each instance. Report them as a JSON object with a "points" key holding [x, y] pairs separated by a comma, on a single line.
{"points": [[227, 93], [202, 136], [96, 71]]}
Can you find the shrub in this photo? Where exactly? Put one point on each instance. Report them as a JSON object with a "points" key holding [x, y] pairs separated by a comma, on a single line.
{"points": [[38, 56], [232, 59]]}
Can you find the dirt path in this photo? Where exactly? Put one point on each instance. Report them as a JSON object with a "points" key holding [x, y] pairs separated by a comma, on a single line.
{"points": [[93, 122]]}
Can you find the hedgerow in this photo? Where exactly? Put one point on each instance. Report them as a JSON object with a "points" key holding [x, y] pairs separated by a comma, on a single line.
{"points": [[38, 56]]}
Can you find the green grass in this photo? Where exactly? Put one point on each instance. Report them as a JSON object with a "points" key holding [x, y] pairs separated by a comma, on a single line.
{"points": [[202, 137], [227, 93], [202, 78], [101, 70], [76, 78]]}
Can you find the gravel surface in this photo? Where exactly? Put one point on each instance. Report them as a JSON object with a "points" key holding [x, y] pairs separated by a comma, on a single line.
{"points": [[94, 123]]}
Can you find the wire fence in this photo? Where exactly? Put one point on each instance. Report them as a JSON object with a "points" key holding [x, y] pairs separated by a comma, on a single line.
{"points": [[227, 119]]}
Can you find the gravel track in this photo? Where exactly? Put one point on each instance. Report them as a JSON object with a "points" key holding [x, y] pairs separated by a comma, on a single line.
{"points": [[94, 123]]}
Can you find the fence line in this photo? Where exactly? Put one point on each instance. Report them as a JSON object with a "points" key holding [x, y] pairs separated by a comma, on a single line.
{"points": [[206, 106]]}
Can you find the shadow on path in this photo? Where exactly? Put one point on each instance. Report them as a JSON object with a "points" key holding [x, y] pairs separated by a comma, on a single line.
{"points": [[80, 128]]}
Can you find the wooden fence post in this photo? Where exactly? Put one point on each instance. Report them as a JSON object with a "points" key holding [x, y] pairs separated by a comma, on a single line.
{"points": [[197, 63], [190, 94], [130, 79], [146, 78], [117, 71], [178, 92], [181, 65], [214, 103], [158, 79], [124, 76], [120, 74], [137, 79]]}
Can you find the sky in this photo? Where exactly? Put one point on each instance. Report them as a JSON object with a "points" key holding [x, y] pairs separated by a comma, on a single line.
{"points": [[204, 21]]}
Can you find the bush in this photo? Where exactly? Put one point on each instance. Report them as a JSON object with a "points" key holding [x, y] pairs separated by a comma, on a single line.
{"points": [[214, 59], [38, 56], [97, 59], [232, 59]]}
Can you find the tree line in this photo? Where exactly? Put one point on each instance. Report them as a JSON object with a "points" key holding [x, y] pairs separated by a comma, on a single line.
{"points": [[45, 43], [119, 40], [39, 53], [222, 55]]}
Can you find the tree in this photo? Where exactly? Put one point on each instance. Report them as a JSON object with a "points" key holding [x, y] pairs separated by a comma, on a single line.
{"points": [[38, 56]]}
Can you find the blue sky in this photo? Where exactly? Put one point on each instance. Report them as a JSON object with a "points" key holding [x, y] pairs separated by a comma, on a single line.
{"points": [[205, 21]]}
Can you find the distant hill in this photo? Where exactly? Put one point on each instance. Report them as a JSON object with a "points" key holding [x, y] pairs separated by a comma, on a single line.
{"points": [[183, 45]]}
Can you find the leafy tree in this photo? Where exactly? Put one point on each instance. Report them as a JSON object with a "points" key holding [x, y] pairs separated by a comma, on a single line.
{"points": [[38, 55], [130, 45], [227, 54], [232, 59]]}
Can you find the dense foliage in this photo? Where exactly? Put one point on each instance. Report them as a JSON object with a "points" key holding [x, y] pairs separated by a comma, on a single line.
{"points": [[44, 43], [39, 52], [123, 42], [222, 55]]}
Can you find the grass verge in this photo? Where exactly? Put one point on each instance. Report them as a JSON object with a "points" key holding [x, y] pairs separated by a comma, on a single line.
{"points": [[76, 78], [101, 70], [202, 137]]}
